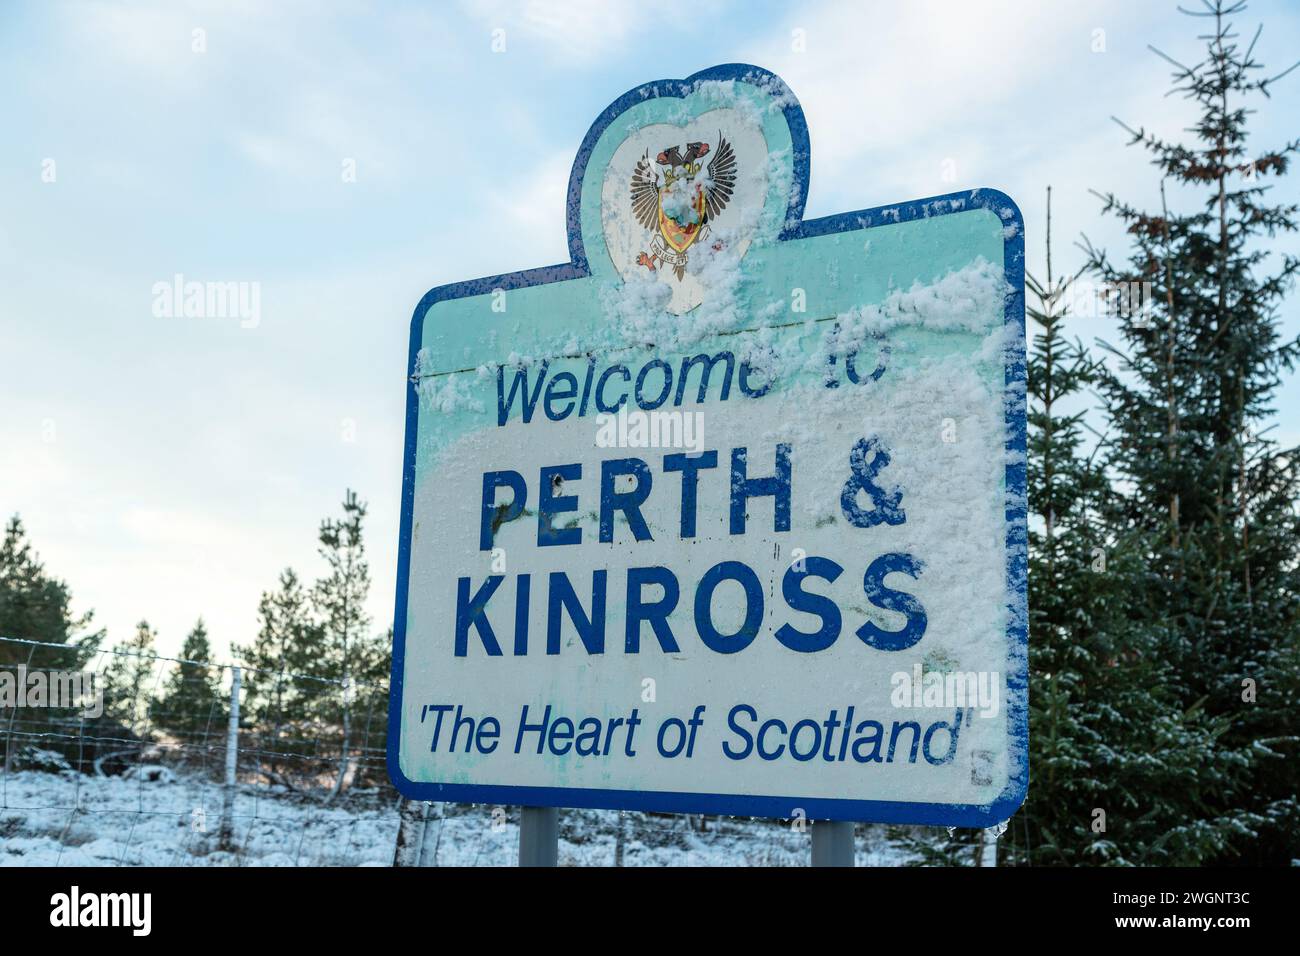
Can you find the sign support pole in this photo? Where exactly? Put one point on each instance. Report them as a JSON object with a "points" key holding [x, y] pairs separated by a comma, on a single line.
{"points": [[539, 836], [832, 843]]}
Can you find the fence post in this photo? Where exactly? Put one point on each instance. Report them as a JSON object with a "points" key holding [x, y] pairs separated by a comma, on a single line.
{"points": [[539, 836], [988, 853], [232, 764], [832, 843], [412, 817]]}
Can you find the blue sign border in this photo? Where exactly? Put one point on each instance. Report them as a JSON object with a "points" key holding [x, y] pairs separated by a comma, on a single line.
{"points": [[816, 808]]}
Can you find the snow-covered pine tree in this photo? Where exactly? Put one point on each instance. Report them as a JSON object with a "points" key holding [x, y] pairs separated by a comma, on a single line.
{"points": [[1066, 544], [192, 701], [1105, 730], [1210, 495]]}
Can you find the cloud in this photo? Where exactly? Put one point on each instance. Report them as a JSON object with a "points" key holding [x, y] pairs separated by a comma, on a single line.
{"points": [[156, 38], [532, 213], [580, 33], [194, 460], [892, 90]]}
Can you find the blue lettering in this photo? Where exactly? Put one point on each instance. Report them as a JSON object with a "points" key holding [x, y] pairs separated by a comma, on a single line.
{"points": [[873, 583], [628, 502], [569, 382], [550, 504], [800, 600], [706, 363], [714, 639], [743, 488], [519, 385], [493, 516], [471, 611], [601, 404], [591, 629], [690, 466], [640, 381], [654, 612]]}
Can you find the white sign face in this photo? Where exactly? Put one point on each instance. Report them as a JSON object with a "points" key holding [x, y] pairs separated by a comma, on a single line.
{"points": [[726, 514]]}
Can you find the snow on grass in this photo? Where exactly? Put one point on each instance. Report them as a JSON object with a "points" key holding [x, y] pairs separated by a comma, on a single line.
{"points": [[171, 819]]}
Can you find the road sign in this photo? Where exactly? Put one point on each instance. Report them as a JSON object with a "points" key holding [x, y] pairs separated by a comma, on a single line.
{"points": [[727, 513]]}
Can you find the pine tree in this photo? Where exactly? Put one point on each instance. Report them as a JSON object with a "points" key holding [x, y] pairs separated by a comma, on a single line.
{"points": [[192, 701], [289, 643], [1065, 545], [351, 653], [129, 679], [1209, 496], [37, 607], [323, 632], [1105, 731]]}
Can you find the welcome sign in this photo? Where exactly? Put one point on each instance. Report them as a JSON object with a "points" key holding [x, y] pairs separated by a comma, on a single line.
{"points": [[727, 513]]}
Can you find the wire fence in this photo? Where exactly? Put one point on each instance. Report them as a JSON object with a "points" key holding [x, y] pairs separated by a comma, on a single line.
{"points": [[119, 757], [138, 753]]}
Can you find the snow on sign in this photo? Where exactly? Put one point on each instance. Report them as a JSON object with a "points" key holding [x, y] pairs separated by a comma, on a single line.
{"points": [[726, 514]]}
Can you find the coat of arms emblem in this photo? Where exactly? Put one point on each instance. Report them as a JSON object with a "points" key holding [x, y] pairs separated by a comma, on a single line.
{"points": [[678, 201]]}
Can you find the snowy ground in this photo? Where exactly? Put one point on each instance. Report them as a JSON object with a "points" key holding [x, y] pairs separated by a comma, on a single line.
{"points": [[155, 817]]}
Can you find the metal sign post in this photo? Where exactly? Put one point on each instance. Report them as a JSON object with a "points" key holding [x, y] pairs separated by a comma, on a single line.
{"points": [[726, 513], [832, 843], [539, 836]]}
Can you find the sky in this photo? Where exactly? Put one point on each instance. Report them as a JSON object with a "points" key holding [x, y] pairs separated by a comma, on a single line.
{"points": [[342, 158]]}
